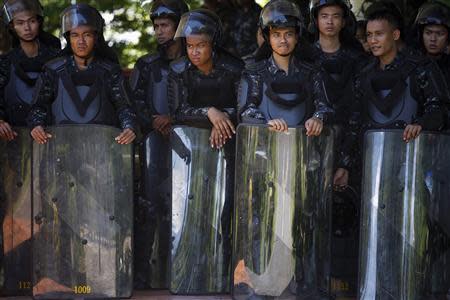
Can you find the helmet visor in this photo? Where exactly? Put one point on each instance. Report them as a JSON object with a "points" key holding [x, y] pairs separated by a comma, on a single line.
{"points": [[13, 7], [76, 16]]}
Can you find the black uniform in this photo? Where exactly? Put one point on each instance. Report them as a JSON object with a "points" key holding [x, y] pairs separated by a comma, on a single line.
{"points": [[66, 95], [244, 29], [409, 90], [267, 93], [192, 93], [152, 213], [18, 76]]}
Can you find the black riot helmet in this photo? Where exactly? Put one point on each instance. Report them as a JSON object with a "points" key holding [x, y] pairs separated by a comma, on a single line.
{"points": [[10, 10], [280, 14], [200, 21], [433, 13], [85, 15], [430, 13], [12, 7], [172, 9], [79, 15], [350, 19]]}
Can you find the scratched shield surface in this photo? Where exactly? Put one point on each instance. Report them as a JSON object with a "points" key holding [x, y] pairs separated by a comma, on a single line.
{"points": [[82, 214], [15, 214]]}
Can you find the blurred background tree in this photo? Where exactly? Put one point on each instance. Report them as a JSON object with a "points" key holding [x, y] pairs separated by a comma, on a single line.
{"points": [[128, 26]]}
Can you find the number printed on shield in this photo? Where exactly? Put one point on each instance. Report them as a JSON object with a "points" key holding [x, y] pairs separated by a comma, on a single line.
{"points": [[24, 285], [82, 289]]}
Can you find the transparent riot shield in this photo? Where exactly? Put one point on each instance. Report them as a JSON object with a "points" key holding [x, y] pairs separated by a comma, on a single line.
{"points": [[202, 195], [405, 238], [282, 214], [15, 214], [153, 215], [82, 214]]}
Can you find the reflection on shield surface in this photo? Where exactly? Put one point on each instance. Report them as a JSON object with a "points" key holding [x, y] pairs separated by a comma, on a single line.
{"points": [[82, 214]]}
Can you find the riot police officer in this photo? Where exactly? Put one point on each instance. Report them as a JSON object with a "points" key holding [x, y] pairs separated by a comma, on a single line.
{"points": [[339, 56], [85, 85], [432, 26], [396, 89], [149, 94], [283, 90], [203, 85], [20, 67]]}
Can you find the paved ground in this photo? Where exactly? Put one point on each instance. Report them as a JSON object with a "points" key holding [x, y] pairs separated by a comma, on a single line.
{"points": [[161, 295]]}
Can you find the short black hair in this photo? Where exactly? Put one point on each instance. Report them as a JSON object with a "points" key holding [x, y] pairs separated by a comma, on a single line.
{"points": [[393, 19]]}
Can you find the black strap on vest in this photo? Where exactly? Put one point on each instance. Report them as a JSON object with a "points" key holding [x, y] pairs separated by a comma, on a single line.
{"points": [[395, 81], [85, 78], [283, 85]]}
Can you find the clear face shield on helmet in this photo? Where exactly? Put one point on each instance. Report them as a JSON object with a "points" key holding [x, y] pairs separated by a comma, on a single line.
{"points": [[79, 15], [196, 23], [433, 13], [13, 7], [280, 14]]}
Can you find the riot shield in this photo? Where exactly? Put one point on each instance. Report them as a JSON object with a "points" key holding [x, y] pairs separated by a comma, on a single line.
{"points": [[202, 191], [15, 214], [405, 240], [152, 217], [282, 214], [82, 214]]}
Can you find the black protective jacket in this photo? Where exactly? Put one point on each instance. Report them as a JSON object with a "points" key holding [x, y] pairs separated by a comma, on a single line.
{"points": [[148, 84], [59, 95], [18, 76], [191, 93], [410, 90], [264, 86]]}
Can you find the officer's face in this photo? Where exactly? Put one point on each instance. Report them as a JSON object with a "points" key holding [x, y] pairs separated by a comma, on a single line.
{"points": [[330, 20], [435, 39], [199, 49], [26, 26], [82, 41], [164, 29], [361, 37], [283, 40], [381, 37]]}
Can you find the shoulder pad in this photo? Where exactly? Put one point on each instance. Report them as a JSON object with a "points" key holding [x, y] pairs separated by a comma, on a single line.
{"points": [[108, 65], [306, 64], [370, 64], [56, 64], [418, 60], [230, 62], [256, 66], [149, 58], [180, 65]]}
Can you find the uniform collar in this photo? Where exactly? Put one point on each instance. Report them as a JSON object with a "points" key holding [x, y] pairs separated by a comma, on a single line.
{"points": [[274, 69]]}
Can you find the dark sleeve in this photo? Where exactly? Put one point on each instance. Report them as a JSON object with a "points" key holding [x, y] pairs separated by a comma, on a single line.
{"points": [[43, 97], [248, 101], [139, 85], [182, 111], [118, 94], [432, 90], [4, 78], [348, 154], [323, 110]]}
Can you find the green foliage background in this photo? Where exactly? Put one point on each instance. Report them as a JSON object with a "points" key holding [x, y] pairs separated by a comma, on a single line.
{"points": [[129, 16]]}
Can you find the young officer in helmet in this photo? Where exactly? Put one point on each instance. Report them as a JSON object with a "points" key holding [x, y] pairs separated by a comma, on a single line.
{"points": [[87, 70], [203, 85], [339, 56], [19, 68], [282, 90], [432, 27], [149, 95]]}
